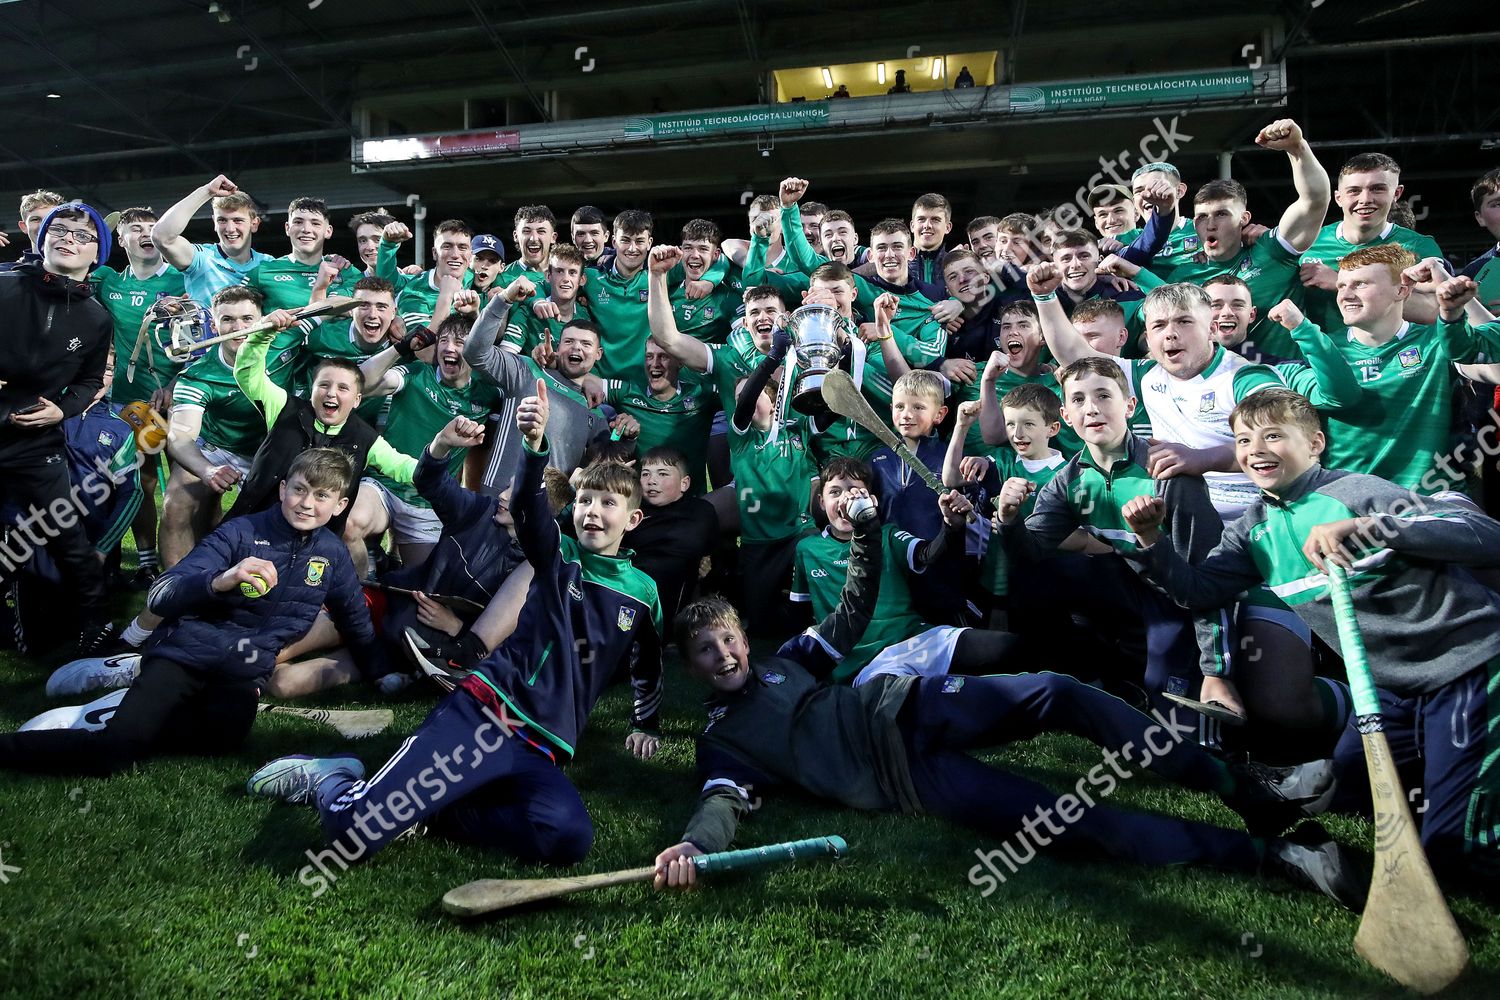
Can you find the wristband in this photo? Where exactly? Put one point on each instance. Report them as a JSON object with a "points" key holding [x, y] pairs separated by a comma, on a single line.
{"points": [[1048, 297]]}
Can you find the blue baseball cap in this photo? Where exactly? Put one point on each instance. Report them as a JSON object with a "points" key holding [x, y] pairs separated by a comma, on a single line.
{"points": [[484, 242]]}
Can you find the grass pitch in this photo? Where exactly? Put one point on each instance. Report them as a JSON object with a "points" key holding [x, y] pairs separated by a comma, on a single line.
{"points": [[170, 881]]}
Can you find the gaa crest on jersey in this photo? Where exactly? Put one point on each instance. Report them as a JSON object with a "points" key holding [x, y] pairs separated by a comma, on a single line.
{"points": [[625, 619], [644, 294], [1207, 401], [1190, 244], [1410, 358], [107, 439], [315, 567], [773, 677], [708, 312]]}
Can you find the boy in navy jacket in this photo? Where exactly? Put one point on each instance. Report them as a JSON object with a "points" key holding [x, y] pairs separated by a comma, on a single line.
{"points": [[484, 766], [243, 593]]}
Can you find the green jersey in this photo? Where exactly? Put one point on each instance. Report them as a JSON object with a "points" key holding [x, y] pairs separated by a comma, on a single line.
{"points": [[1488, 280], [993, 569], [707, 319], [772, 482], [818, 572], [518, 269], [128, 298], [1270, 270], [1404, 420], [619, 307], [1067, 440], [1181, 247], [682, 422], [523, 330], [230, 420], [416, 294], [287, 284], [420, 408], [1330, 247]]}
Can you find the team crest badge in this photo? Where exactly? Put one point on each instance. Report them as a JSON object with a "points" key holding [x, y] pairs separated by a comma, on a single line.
{"points": [[1190, 243], [1410, 358], [1206, 402], [74, 344], [644, 294], [708, 313], [773, 677], [952, 685], [315, 567], [626, 619], [107, 439]]}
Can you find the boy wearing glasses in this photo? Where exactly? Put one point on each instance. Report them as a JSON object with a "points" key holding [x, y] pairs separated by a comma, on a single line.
{"points": [[54, 342]]}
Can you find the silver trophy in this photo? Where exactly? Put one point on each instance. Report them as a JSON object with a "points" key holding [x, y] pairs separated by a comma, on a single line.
{"points": [[815, 339]]}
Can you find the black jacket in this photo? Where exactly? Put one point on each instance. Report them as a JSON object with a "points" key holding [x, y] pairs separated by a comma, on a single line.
{"points": [[54, 342], [295, 431]]}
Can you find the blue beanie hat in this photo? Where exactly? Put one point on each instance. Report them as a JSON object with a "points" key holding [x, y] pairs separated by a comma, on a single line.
{"points": [[106, 240]]}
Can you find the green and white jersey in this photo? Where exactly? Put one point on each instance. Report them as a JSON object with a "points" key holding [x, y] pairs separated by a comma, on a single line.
{"points": [[993, 570], [416, 294], [1181, 247], [230, 420], [772, 482], [707, 319], [682, 421], [818, 571], [335, 338], [128, 298], [1330, 247], [420, 408], [1405, 418], [1424, 619], [518, 269], [287, 284], [523, 331], [1488, 280], [1270, 270]]}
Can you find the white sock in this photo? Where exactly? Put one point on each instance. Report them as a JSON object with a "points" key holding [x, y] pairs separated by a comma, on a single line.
{"points": [[134, 634]]}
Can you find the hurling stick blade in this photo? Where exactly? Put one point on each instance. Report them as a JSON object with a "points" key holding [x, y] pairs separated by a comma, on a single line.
{"points": [[1407, 930], [490, 895], [843, 397], [354, 725]]}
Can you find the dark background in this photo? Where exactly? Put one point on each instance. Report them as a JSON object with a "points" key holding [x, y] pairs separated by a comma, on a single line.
{"points": [[153, 97]]}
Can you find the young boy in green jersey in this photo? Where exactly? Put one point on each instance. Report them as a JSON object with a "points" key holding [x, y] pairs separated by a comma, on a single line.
{"points": [[425, 397], [1085, 493], [897, 640], [1017, 360], [1400, 430], [1432, 634], [555, 303], [143, 372], [1368, 185], [420, 297], [671, 412]]}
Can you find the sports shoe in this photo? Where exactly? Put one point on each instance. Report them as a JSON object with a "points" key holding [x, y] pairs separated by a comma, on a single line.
{"points": [[144, 578], [1273, 798], [91, 717], [1311, 858], [444, 663], [94, 673], [94, 633], [296, 778]]}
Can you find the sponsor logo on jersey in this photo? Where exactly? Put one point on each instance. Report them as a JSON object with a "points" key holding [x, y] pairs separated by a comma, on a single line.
{"points": [[1206, 402], [1258, 532], [1410, 358], [315, 567], [773, 677], [575, 592], [625, 619], [261, 541], [74, 344], [952, 685], [1247, 273]]}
